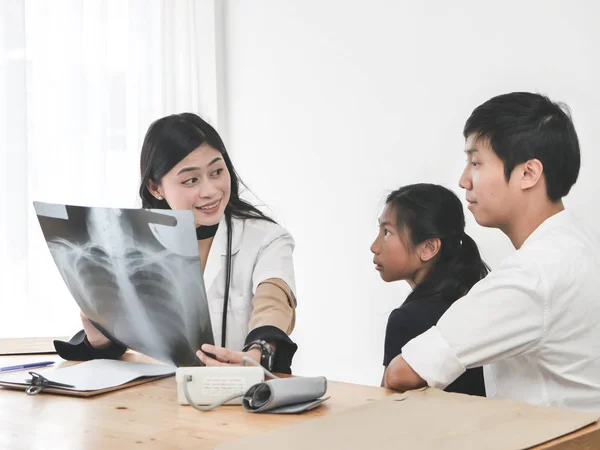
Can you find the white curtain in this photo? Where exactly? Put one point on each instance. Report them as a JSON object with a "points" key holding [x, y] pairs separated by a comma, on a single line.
{"points": [[80, 81]]}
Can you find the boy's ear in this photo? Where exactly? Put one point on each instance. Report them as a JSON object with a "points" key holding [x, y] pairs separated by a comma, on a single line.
{"points": [[155, 190], [429, 248], [530, 173]]}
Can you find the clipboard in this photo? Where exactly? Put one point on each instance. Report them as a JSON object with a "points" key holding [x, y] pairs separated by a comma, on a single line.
{"points": [[88, 378]]}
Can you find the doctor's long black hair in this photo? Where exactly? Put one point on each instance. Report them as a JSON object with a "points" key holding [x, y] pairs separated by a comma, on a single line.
{"points": [[429, 211], [172, 138]]}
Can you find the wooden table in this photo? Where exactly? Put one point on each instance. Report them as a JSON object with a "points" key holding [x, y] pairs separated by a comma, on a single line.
{"points": [[149, 416]]}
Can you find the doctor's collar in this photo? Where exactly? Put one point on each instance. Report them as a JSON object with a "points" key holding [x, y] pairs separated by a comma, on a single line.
{"points": [[205, 232]]}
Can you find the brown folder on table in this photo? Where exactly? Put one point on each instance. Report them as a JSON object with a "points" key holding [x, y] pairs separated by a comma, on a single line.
{"points": [[86, 379], [426, 419], [28, 346]]}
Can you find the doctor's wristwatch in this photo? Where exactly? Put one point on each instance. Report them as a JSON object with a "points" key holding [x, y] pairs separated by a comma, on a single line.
{"points": [[267, 356]]}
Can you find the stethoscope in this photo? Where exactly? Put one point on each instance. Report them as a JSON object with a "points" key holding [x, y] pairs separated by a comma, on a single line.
{"points": [[227, 279]]}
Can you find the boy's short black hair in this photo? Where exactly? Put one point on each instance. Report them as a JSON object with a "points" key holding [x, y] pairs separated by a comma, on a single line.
{"points": [[521, 126]]}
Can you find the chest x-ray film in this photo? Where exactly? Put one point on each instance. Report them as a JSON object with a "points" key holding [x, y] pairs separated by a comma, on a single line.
{"points": [[135, 274]]}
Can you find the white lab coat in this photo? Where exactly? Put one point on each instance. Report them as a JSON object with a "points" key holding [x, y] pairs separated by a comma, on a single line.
{"points": [[260, 250]]}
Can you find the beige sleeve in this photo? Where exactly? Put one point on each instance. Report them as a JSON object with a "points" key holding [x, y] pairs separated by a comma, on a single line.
{"points": [[273, 304]]}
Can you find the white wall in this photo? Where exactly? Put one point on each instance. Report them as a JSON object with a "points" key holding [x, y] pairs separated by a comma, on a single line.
{"points": [[332, 103]]}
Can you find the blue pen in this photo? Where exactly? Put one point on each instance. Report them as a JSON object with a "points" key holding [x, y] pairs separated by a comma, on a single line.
{"points": [[26, 366]]}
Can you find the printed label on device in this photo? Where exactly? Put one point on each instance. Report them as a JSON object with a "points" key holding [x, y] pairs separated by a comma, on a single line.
{"points": [[222, 386]]}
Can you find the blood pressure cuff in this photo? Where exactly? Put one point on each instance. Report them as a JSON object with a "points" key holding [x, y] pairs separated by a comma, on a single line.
{"points": [[286, 395]]}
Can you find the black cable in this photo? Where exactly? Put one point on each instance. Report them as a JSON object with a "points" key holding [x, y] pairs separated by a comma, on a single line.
{"points": [[227, 279]]}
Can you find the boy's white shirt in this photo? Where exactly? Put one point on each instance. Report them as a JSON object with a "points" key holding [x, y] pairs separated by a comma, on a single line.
{"points": [[535, 320]]}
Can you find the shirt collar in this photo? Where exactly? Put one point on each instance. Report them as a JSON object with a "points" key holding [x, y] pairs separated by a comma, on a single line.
{"points": [[219, 243], [552, 221]]}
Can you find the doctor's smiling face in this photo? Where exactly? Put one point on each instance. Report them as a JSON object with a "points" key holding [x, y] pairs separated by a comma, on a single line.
{"points": [[199, 182], [184, 165]]}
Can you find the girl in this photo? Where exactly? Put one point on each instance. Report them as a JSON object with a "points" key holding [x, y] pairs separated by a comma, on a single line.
{"points": [[422, 240], [245, 255]]}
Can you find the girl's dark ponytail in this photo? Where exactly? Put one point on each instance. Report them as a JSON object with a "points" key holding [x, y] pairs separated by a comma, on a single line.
{"points": [[473, 268]]}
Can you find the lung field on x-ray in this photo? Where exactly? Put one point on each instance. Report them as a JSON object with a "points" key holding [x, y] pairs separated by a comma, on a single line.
{"points": [[138, 293]]}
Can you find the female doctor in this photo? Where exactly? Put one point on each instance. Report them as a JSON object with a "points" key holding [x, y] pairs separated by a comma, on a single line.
{"points": [[245, 255]]}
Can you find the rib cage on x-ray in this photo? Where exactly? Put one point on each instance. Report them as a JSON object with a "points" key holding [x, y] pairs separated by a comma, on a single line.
{"points": [[134, 289]]}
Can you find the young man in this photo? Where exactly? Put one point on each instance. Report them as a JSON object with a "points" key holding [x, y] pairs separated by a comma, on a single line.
{"points": [[536, 318]]}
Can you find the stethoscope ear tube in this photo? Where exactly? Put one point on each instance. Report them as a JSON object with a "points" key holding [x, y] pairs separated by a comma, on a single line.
{"points": [[227, 279]]}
